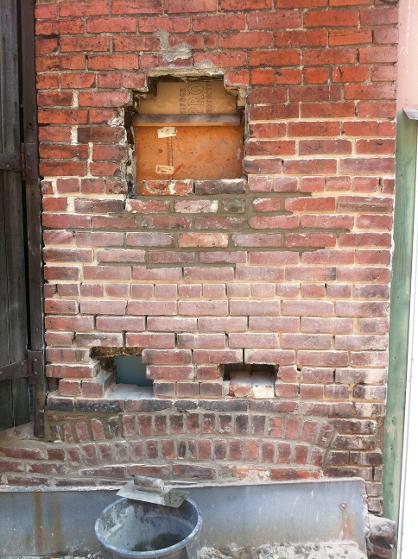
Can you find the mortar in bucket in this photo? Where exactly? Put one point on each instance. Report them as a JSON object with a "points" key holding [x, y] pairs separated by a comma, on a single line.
{"points": [[142, 530]]}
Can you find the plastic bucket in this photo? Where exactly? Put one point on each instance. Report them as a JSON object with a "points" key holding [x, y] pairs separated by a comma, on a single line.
{"points": [[141, 530]]}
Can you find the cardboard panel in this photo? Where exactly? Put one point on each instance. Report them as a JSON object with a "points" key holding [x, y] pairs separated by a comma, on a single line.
{"points": [[189, 97]]}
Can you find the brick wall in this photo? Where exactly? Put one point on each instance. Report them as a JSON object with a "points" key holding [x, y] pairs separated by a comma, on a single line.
{"points": [[289, 266]]}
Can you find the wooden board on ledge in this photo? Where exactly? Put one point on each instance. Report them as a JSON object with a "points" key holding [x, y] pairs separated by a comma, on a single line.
{"points": [[193, 152]]}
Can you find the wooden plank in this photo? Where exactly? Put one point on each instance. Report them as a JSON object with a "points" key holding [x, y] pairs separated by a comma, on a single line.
{"points": [[14, 370], [4, 293], [14, 271], [14, 402], [9, 79], [187, 120], [10, 162], [20, 398], [399, 315], [195, 152], [6, 405], [33, 209]]}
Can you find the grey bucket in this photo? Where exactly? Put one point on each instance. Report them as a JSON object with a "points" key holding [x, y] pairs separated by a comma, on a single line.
{"points": [[139, 530]]}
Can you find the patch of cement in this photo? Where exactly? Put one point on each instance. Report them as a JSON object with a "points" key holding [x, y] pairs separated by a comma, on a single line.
{"points": [[285, 551]]}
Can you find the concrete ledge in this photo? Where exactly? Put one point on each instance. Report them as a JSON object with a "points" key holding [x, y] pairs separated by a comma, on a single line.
{"points": [[60, 522]]}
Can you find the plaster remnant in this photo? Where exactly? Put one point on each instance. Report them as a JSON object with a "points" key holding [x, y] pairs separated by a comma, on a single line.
{"points": [[171, 54]]}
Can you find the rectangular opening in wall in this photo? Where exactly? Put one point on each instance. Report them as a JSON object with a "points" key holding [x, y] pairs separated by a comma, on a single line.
{"points": [[188, 129], [123, 372], [131, 370], [249, 381]]}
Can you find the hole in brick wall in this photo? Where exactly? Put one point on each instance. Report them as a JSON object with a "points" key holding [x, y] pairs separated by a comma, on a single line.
{"points": [[126, 366], [131, 370], [249, 381], [188, 128]]}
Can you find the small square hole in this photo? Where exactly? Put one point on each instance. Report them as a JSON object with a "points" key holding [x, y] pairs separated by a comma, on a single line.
{"points": [[249, 381], [131, 370]]}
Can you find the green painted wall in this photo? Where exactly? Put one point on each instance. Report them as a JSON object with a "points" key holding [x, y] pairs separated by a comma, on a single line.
{"points": [[399, 314]]}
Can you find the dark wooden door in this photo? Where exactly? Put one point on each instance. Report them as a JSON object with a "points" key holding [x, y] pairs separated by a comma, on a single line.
{"points": [[17, 181]]}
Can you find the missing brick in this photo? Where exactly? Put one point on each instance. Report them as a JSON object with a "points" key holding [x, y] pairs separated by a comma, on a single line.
{"points": [[125, 364], [131, 370], [249, 381]]}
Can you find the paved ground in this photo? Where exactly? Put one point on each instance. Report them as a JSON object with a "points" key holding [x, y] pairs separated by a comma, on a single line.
{"points": [[305, 551], [274, 551]]}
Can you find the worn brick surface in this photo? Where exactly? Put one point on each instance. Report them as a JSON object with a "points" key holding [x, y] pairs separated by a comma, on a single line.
{"points": [[290, 266]]}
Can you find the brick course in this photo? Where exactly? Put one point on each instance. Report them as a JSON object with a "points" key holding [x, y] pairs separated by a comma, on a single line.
{"points": [[290, 266]]}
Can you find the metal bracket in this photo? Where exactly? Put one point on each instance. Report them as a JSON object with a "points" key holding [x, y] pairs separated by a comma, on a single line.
{"points": [[29, 161], [35, 365], [25, 162], [30, 368]]}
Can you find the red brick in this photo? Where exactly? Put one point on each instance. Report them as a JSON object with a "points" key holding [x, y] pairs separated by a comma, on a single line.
{"points": [[375, 166], [203, 240], [331, 18], [241, 5], [149, 239], [316, 75], [85, 44], [362, 203], [285, 19], [350, 37], [136, 6], [59, 99], [330, 56], [275, 147], [248, 39], [346, 73], [218, 22], [312, 240], [186, 6], [378, 54], [111, 62], [103, 99], [323, 358], [92, 7], [274, 58], [328, 110], [61, 116], [60, 62], [274, 222], [112, 24], [254, 341], [272, 356]]}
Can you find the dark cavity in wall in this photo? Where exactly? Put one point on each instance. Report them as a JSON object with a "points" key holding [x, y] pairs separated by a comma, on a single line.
{"points": [[125, 364]]}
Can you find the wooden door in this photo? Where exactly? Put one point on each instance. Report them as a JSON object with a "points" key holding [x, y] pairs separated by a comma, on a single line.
{"points": [[19, 217]]}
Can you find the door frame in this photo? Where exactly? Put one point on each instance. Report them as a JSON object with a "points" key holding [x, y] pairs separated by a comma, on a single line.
{"points": [[407, 533], [26, 164], [33, 213]]}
